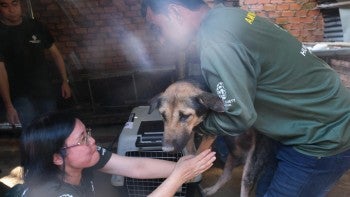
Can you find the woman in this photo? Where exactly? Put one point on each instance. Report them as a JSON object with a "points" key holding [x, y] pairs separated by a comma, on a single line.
{"points": [[59, 156]]}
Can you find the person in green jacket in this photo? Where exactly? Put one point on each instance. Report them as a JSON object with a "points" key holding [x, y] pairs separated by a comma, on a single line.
{"points": [[270, 81]]}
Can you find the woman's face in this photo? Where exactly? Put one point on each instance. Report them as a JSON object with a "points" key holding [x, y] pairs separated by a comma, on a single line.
{"points": [[80, 148]]}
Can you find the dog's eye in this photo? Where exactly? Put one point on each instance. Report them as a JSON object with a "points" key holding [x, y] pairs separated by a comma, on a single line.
{"points": [[163, 116], [183, 117]]}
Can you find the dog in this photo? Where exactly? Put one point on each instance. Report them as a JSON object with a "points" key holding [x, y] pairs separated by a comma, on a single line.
{"points": [[183, 106]]}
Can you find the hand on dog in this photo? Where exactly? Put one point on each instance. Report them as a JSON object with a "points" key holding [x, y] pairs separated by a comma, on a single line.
{"points": [[191, 166], [185, 169]]}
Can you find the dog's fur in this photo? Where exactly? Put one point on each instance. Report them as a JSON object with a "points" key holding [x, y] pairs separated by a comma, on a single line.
{"points": [[183, 105]]}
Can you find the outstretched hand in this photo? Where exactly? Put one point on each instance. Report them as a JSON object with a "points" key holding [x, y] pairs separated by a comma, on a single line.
{"points": [[185, 169], [191, 166]]}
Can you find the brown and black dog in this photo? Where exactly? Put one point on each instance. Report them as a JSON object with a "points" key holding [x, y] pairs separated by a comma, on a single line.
{"points": [[185, 104]]}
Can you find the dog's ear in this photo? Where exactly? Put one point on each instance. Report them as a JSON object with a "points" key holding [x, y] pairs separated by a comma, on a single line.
{"points": [[154, 103], [211, 101]]}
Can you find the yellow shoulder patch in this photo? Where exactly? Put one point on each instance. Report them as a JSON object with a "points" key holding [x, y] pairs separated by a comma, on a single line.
{"points": [[250, 17]]}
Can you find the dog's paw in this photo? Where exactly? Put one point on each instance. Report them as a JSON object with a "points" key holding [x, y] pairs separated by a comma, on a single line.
{"points": [[209, 191]]}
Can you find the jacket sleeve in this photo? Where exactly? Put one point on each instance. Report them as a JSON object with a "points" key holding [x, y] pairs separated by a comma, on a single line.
{"points": [[229, 71], [105, 156]]}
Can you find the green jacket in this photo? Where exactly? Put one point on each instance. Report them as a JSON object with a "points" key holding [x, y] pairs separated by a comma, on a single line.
{"points": [[270, 81]]}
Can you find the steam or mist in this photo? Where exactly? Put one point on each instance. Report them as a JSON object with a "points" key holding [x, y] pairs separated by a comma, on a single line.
{"points": [[110, 37]]}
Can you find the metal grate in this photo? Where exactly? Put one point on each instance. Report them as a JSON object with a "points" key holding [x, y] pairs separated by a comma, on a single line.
{"points": [[332, 26], [333, 31], [143, 187]]}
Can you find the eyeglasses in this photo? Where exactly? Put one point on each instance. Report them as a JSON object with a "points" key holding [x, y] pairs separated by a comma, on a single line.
{"points": [[83, 141]]}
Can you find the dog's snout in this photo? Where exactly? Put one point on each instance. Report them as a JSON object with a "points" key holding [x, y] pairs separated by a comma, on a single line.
{"points": [[168, 148], [173, 143]]}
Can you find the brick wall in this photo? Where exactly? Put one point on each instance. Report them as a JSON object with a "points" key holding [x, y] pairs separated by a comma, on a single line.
{"points": [[297, 16], [100, 35], [106, 35]]}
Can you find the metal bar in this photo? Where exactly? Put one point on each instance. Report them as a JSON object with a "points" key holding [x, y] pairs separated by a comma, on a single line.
{"points": [[333, 5], [338, 44], [333, 24], [92, 104], [30, 9], [333, 29], [331, 18]]}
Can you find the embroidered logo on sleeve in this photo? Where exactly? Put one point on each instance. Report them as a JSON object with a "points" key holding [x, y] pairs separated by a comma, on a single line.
{"points": [[304, 50], [222, 93], [221, 90]]}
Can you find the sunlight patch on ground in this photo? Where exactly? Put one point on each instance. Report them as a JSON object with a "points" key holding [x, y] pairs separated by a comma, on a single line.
{"points": [[13, 178]]}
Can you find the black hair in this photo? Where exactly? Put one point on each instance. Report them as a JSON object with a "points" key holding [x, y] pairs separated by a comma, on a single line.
{"points": [[159, 6], [43, 138]]}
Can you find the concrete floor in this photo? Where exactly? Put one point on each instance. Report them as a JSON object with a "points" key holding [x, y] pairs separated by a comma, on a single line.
{"points": [[107, 137]]}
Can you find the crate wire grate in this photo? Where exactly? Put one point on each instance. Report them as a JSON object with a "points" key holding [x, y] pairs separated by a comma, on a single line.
{"points": [[143, 187]]}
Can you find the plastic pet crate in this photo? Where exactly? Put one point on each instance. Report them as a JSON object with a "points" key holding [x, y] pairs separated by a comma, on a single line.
{"points": [[130, 135], [142, 137], [143, 187]]}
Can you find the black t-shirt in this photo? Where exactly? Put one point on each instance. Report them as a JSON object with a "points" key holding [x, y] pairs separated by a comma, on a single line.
{"points": [[22, 49], [58, 188]]}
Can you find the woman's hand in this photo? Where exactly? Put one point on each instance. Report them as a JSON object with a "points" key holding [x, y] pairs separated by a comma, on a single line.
{"points": [[185, 169], [191, 166]]}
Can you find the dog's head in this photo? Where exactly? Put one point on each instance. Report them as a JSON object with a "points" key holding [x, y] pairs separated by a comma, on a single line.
{"points": [[183, 105]]}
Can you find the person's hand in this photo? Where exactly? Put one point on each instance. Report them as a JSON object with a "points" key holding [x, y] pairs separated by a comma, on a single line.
{"points": [[185, 169], [66, 91], [12, 116], [191, 166]]}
